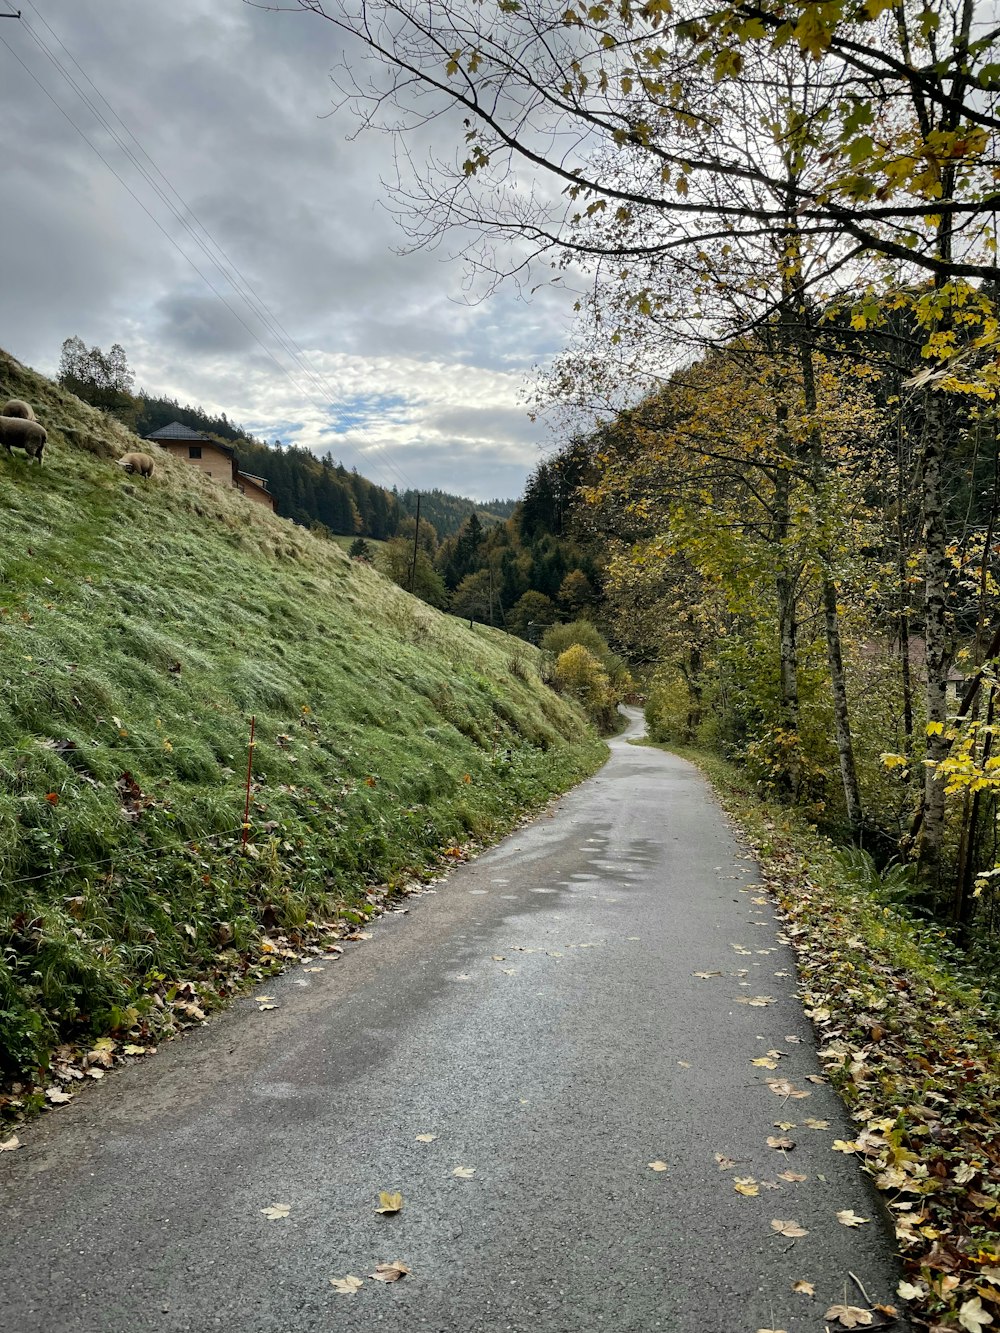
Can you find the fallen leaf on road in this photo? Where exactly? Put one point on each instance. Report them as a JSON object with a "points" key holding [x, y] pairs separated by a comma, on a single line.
{"points": [[276, 1211], [705, 975], [499, 958], [804, 1288], [782, 1088], [756, 1001], [785, 1124], [389, 1203], [262, 1008], [346, 1286], [130, 1049], [788, 1228], [845, 1145], [426, 1138], [849, 1316], [816, 1078], [684, 1064], [791, 1176], [463, 976], [747, 1186], [658, 1166], [320, 969], [847, 1217], [740, 949], [95, 1073], [10, 1144], [263, 999], [464, 1172], [764, 1062], [389, 1272], [57, 1096], [817, 1124], [771, 1330], [784, 1144], [795, 1040], [724, 1162]]}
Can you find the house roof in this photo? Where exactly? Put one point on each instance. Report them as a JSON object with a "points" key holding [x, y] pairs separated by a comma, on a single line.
{"points": [[177, 431], [257, 481]]}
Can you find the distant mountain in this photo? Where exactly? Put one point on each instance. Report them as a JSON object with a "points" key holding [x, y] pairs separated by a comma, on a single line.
{"points": [[447, 512]]}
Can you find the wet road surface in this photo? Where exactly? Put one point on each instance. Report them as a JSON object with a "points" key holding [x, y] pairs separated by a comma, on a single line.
{"points": [[538, 1014]]}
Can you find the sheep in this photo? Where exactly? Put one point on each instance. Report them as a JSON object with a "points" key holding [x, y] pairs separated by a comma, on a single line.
{"points": [[16, 407], [141, 463], [15, 432]]}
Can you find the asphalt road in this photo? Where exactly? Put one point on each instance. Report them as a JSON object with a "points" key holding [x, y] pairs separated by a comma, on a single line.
{"points": [[538, 1014]]}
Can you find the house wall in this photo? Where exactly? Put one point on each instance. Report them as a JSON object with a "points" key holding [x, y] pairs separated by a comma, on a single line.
{"points": [[256, 493], [213, 462]]}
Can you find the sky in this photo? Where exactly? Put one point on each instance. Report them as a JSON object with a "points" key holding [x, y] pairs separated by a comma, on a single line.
{"points": [[403, 377]]}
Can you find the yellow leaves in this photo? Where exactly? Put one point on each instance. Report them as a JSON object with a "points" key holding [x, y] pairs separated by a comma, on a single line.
{"points": [[389, 1203], [725, 1163], [973, 1317], [816, 1124], [793, 1177], [849, 1316], [393, 1272], [803, 1288], [764, 1062], [276, 1212], [747, 1186], [784, 1145], [347, 1286], [847, 1217], [464, 1172], [658, 1166], [782, 1088], [756, 1001], [788, 1228], [426, 1138], [935, 728], [892, 761], [844, 1146]]}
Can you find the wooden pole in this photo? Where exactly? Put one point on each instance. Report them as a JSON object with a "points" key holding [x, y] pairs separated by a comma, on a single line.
{"points": [[416, 540], [246, 808]]}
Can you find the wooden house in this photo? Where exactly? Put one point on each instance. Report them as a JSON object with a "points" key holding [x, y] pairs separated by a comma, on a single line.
{"points": [[214, 459]]}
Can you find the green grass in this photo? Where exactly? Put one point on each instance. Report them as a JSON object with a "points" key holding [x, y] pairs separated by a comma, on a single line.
{"points": [[142, 624]]}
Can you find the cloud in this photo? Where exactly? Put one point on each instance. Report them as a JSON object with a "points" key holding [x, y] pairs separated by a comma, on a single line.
{"points": [[361, 348]]}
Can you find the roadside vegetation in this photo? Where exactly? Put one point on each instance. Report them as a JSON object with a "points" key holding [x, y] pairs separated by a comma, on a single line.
{"points": [[142, 626], [906, 1030]]}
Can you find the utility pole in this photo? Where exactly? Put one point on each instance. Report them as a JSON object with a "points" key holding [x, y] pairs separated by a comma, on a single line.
{"points": [[416, 540]]}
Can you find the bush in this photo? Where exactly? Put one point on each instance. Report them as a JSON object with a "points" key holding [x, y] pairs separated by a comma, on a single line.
{"points": [[584, 633], [580, 675]]}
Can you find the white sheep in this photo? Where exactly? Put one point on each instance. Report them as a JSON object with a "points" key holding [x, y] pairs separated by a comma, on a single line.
{"points": [[17, 407], [141, 463], [17, 433]]}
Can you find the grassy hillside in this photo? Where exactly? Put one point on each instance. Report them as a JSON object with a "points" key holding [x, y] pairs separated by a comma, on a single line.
{"points": [[142, 624]]}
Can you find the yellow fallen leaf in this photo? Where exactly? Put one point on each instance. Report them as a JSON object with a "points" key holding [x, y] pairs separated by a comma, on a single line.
{"points": [[346, 1286], [10, 1144], [817, 1124], [658, 1166], [56, 1095], [849, 1316], [389, 1203], [389, 1272], [131, 1049], [972, 1316], [847, 1217], [791, 1176], [763, 1062], [706, 975], [788, 1228], [724, 1162], [426, 1138], [756, 1001], [464, 1172], [262, 1008], [911, 1291], [845, 1146], [747, 1186], [275, 1211], [804, 1288], [785, 1145], [785, 1124]]}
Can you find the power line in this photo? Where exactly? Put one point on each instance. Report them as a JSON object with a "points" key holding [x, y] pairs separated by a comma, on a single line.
{"points": [[205, 242]]}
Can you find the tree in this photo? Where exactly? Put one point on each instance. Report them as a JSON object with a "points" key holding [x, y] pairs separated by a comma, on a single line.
{"points": [[103, 379], [395, 559], [477, 597], [530, 615], [360, 550]]}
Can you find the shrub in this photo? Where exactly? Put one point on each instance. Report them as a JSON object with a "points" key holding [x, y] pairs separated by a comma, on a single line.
{"points": [[580, 675]]}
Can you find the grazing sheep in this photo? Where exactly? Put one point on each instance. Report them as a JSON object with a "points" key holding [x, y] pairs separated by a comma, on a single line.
{"points": [[141, 463], [16, 433], [16, 407]]}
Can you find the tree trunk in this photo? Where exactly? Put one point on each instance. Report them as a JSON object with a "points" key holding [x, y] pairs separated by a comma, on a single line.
{"points": [[936, 657]]}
